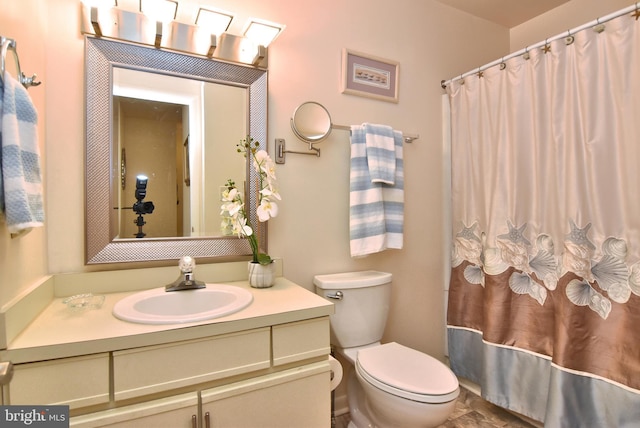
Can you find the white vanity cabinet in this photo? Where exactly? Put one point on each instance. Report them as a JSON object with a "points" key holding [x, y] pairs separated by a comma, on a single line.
{"points": [[275, 376], [265, 366], [295, 398]]}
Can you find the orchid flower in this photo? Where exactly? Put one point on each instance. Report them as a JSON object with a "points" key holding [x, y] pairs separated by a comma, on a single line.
{"points": [[234, 216]]}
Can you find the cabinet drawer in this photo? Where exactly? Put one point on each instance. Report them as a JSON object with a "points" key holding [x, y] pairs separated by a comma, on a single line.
{"points": [[300, 340], [76, 382], [152, 369]]}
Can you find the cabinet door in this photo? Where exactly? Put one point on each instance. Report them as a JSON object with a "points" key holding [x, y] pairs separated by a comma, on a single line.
{"points": [[295, 398], [180, 411]]}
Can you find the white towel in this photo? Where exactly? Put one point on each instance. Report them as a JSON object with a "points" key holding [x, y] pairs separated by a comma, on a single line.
{"points": [[376, 220], [21, 194], [381, 153]]}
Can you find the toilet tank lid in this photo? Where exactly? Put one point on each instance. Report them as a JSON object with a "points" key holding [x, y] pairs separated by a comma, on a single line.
{"points": [[345, 280]]}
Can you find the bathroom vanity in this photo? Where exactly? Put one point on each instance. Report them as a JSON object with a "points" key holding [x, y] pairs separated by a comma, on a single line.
{"points": [[266, 365]]}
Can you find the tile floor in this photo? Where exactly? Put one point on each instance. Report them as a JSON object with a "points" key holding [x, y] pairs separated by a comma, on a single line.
{"points": [[471, 412]]}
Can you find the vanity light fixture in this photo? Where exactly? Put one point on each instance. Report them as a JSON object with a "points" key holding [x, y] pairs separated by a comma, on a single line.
{"points": [[159, 10], [156, 23], [158, 40], [95, 22], [100, 3], [95, 6], [261, 52], [262, 32], [212, 45], [214, 21]]}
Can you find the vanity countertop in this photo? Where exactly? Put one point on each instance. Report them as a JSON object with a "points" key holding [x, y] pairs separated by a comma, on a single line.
{"points": [[60, 332]]}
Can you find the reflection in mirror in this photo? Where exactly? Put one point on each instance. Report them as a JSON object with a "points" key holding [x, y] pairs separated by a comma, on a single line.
{"points": [[311, 122], [185, 186], [159, 129]]}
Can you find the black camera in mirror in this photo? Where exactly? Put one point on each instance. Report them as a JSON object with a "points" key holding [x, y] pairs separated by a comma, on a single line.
{"points": [[141, 207]]}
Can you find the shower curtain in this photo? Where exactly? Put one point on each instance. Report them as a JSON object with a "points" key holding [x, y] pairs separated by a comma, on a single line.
{"points": [[544, 296]]}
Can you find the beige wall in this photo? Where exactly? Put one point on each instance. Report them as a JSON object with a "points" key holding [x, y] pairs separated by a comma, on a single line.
{"points": [[23, 260], [565, 17]]}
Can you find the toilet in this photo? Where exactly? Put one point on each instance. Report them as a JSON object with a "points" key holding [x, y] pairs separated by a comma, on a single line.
{"points": [[390, 384]]}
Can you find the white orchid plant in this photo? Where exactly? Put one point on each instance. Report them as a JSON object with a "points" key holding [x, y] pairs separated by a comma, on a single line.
{"points": [[233, 210]]}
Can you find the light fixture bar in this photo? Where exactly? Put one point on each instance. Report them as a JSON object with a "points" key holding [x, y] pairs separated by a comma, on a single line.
{"points": [[119, 23]]}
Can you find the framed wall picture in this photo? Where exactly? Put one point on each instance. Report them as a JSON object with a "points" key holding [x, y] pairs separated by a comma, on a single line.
{"points": [[369, 76]]}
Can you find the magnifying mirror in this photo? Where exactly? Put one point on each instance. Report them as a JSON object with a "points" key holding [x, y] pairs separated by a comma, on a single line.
{"points": [[311, 122]]}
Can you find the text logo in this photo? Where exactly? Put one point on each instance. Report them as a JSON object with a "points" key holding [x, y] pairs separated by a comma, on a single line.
{"points": [[34, 416]]}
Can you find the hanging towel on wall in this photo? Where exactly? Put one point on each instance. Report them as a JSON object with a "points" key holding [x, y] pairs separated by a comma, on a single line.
{"points": [[376, 209], [21, 185], [381, 153]]}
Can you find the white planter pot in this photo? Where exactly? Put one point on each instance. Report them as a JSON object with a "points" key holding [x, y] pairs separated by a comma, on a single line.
{"points": [[262, 276]]}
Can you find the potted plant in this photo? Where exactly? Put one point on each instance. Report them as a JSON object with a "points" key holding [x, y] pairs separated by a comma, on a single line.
{"points": [[234, 213]]}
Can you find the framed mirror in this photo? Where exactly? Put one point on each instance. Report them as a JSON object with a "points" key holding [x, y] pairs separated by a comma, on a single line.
{"points": [[185, 192]]}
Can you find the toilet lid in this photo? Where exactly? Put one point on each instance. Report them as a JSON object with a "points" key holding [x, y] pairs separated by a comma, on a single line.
{"points": [[407, 373]]}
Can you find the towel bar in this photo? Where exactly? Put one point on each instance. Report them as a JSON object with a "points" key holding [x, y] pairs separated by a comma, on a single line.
{"points": [[408, 138], [10, 44]]}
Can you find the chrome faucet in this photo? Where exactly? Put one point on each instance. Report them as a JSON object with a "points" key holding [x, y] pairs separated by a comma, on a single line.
{"points": [[186, 280]]}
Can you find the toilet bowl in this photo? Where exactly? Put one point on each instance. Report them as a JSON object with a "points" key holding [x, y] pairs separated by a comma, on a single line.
{"points": [[390, 385], [404, 387]]}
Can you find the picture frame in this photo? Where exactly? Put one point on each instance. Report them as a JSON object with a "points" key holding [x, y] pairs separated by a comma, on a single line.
{"points": [[369, 76]]}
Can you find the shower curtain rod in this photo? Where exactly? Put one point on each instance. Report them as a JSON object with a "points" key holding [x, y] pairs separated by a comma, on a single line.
{"points": [[567, 34]]}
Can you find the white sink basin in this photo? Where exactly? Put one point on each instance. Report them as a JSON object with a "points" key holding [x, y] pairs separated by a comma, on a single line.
{"points": [[156, 306]]}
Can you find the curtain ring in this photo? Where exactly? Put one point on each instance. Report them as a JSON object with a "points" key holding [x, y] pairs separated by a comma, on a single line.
{"points": [[502, 64], [598, 28], [569, 39], [526, 55]]}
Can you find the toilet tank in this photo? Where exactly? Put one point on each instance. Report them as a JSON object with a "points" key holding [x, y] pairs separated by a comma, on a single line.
{"points": [[361, 307]]}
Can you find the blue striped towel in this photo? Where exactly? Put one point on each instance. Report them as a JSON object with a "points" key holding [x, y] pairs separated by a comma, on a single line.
{"points": [[21, 184], [381, 153], [376, 220]]}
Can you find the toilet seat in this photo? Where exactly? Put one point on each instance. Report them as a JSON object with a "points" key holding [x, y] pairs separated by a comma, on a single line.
{"points": [[407, 373]]}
